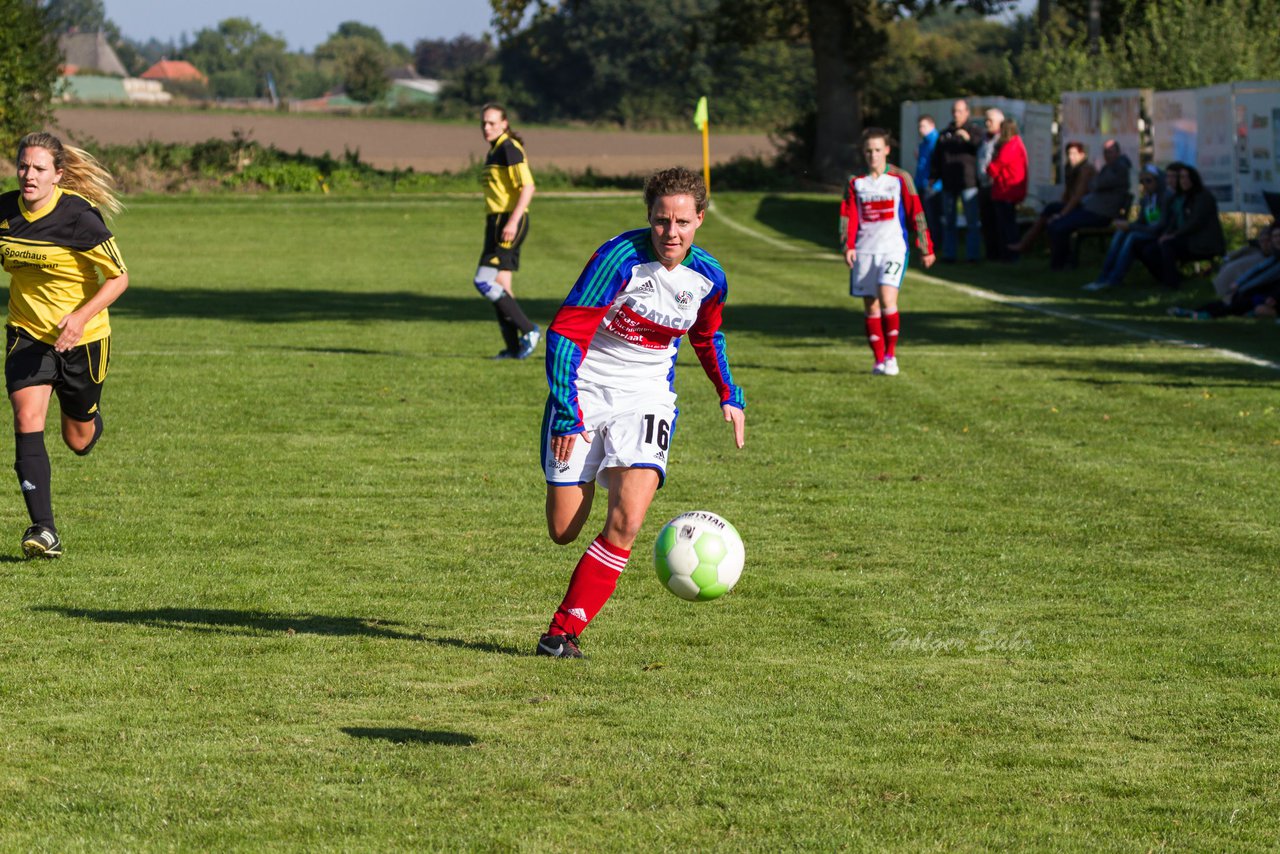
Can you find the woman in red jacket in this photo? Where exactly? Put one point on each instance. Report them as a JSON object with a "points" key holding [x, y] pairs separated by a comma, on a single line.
{"points": [[1008, 171]]}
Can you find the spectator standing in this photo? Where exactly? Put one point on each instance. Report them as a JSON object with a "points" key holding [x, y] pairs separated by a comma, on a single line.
{"points": [[955, 163], [1008, 173], [993, 244], [1079, 173], [1108, 192], [1193, 233], [930, 189]]}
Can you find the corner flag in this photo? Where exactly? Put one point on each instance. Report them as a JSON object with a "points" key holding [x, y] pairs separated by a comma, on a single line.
{"points": [[701, 122]]}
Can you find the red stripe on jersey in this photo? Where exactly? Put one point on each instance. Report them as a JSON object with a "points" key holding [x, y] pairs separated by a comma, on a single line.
{"points": [[875, 210], [578, 323], [637, 329]]}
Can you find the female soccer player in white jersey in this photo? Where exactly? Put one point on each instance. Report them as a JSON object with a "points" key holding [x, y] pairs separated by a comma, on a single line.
{"points": [[611, 414], [54, 243], [879, 208]]}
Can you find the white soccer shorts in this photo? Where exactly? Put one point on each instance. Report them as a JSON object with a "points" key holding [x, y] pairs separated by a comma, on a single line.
{"points": [[871, 272], [627, 431]]}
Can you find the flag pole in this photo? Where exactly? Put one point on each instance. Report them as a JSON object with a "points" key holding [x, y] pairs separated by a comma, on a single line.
{"points": [[706, 155], [703, 123]]}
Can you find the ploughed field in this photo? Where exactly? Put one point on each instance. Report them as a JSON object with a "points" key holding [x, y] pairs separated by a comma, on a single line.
{"points": [[401, 143]]}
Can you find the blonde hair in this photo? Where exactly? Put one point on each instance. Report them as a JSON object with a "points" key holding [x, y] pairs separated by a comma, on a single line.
{"points": [[81, 171]]}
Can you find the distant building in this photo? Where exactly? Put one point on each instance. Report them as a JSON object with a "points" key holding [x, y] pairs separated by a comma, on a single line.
{"points": [[89, 52], [174, 69]]}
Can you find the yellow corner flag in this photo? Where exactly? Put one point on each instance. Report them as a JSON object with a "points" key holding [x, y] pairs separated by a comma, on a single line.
{"points": [[701, 123]]}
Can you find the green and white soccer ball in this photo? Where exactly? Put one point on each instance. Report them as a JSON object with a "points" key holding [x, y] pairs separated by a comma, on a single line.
{"points": [[698, 556]]}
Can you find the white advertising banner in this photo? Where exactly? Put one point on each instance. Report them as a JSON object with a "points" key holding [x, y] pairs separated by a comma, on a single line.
{"points": [[1173, 126], [1258, 149], [1095, 117], [1216, 143]]}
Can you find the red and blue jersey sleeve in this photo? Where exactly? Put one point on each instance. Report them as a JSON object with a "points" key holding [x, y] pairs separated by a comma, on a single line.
{"points": [[705, 336], [574, 325]]}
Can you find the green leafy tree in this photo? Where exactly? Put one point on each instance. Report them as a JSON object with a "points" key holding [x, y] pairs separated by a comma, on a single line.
{"points": [[366, 75], [357, 55], [29, 62], [847, 39], [1163, 44], [238, 55], [644, 63], [86, 16]]}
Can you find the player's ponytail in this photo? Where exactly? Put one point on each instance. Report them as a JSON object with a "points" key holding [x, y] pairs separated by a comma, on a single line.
{"points": [[81, 171]]}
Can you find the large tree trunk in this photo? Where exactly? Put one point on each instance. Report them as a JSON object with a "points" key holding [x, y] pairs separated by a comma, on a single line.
{"points": [[839, 103]]}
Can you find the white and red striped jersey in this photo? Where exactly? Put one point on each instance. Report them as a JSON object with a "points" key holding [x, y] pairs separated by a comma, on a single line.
{"points": [[881, 210], [621, 325]]}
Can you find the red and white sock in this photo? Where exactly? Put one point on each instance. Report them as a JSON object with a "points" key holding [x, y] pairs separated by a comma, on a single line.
{"points": [[875, 336], [593, 582], [890, 324]]}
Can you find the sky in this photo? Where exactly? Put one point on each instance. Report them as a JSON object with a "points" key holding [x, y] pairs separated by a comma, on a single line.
{"points": [[302, 23]]}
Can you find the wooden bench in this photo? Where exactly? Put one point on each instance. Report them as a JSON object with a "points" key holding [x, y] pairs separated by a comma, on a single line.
{"points": [[1101, 233]]}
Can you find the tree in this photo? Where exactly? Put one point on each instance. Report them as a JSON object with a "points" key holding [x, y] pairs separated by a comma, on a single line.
{"points": [[359, 56], [85, 16], [238, 55], [1159, 44], [29, 62], [846, 37], [441, 58], [366, 75]]}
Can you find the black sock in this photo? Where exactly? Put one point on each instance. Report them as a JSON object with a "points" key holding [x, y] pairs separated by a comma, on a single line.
{"points": [[508, 306], [31, 462], [510, 334], [97, 434]]}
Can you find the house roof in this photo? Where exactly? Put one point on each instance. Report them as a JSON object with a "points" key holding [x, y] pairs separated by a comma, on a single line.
{"points": [[90, 51], [174, 69]]}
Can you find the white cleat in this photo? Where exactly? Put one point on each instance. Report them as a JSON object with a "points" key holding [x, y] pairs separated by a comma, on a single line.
{"points": [[878, 370], [890, 367]]}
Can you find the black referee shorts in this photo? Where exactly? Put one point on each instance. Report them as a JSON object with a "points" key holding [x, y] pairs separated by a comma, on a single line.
{"points": [[76, 375], [496, 253]]}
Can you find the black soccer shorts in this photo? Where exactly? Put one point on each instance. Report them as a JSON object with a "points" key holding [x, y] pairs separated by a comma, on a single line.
{"points": [[496, 253], [76, 375]]}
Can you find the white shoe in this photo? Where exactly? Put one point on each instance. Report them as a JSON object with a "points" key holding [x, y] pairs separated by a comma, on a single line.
{"points": [[878, 370], [1093, 287], [890, 367]]}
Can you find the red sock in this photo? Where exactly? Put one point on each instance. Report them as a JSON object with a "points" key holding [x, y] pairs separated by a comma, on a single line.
{"points": [[590, 587], [890, 323], [875, 337]]}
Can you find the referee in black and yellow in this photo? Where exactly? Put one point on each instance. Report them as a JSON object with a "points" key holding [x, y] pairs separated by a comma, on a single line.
{"points": [[508, 189], [54, 244]]}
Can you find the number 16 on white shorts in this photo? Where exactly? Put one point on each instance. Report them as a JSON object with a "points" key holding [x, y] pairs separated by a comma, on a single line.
{"points": [[871, 272], [637, 438]]}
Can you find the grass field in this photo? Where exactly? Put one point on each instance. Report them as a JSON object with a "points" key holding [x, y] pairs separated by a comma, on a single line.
{"points": [[1023, 596]]}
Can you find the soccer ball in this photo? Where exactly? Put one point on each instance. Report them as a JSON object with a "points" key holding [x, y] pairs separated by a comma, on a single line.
{"points": [[698, 556]]}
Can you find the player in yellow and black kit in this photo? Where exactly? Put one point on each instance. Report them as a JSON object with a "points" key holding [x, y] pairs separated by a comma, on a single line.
{"points": [[53, 243], [508, 189]]}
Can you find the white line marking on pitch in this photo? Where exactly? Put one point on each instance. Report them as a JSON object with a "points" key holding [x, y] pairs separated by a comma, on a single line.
{"points": [[1026, 303]]}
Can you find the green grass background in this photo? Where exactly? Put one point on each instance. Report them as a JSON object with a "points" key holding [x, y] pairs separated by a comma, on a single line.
{"points": [[1023, 596]]}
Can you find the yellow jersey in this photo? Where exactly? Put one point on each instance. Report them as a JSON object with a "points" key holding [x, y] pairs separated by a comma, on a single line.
{"points": [[506, 172], [53, 257]]}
